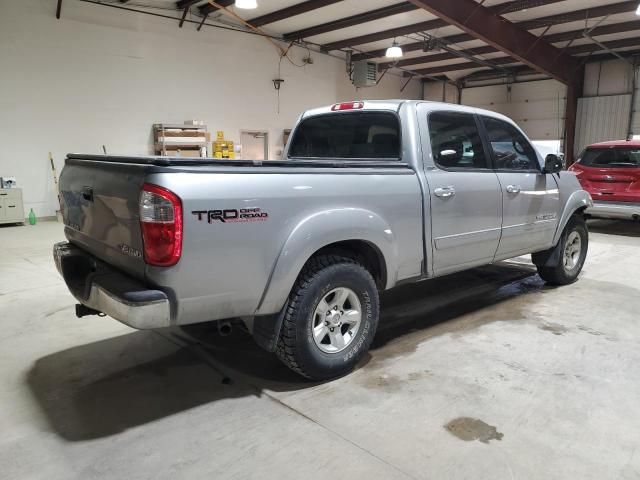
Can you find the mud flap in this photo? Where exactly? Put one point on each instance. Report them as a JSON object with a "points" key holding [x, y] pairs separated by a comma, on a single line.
{"points": [[266, 329], [549, 258]]}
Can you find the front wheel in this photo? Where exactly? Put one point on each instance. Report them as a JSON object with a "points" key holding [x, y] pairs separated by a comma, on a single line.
{"points": [[571, 255], [330, 319]]}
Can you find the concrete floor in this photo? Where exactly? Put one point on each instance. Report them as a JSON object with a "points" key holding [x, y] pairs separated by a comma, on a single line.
{"points": [[485, 374]]}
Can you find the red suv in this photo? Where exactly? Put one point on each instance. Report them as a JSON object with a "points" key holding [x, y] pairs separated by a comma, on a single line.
{"points": [[610, 172]]}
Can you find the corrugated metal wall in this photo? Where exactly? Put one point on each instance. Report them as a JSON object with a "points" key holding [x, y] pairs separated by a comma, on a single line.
{"points": [[538, 107], [601, 119]]}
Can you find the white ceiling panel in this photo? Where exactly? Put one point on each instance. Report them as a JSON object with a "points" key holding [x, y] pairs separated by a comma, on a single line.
{"points": [[339, 10], [555, 9], [393, 21]]}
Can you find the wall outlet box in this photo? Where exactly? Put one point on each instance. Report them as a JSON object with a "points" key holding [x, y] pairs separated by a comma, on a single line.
{"points": [[8, 182]]}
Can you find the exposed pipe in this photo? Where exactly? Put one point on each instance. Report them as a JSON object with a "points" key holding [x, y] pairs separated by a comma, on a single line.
{"points": [[59, 9]]}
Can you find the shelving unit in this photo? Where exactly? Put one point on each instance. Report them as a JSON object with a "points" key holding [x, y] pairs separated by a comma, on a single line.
{"points": [[180, 140]]}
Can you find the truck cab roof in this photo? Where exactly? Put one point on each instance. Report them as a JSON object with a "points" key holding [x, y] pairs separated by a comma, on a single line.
{"points": [[395, 105]]}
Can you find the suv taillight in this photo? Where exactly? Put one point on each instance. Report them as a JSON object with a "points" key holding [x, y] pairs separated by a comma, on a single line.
{"points": [[161, 225]]}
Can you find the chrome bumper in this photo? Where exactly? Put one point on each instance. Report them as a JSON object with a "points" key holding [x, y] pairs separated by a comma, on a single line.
{"points": [[625, 211], [109, 291]]}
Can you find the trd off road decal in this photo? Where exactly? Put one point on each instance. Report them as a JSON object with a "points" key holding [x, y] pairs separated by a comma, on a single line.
{"points": [[232, 215]]}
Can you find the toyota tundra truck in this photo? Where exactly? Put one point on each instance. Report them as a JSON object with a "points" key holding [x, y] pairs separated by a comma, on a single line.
{"points": [[367, 196]]}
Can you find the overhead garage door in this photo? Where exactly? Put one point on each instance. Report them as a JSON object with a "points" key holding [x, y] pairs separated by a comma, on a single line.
{"points": [[538, 107], [601, 119]]}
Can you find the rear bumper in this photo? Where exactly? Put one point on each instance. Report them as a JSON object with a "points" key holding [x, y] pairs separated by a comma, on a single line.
{"points": [[102, 288], [621, 210]]}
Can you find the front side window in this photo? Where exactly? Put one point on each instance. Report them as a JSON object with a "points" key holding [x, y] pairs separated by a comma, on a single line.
{"points": [[511, 149], [456, 142], [611, 157], [357, 135]]}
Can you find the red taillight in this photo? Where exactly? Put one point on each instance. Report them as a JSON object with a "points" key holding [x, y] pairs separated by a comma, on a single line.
{"points": [[161, 224], [347, 106]]}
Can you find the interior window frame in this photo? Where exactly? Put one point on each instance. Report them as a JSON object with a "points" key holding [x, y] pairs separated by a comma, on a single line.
{"points": [[350, 159], [488, 158], [494, 160]]}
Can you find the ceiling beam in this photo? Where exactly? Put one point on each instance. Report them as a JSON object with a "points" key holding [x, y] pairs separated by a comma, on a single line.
{"points": [[541, 22], [579, 49], [358, 19], [436, 57], [182, 4], [507, 37], [555, 38], [291, 11], [525, 70], [207, 8], [580, 15], [500, 9]]}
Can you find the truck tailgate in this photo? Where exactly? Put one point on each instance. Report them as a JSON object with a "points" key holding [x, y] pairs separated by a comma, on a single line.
{"points": [[100, 208]]}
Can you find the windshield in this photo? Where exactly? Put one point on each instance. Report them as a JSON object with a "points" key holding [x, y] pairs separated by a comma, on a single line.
{"points": [[356, 135], [614, 157]]}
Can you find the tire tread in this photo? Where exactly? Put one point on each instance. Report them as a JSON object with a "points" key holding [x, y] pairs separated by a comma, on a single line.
{"points": [[285, 349]]}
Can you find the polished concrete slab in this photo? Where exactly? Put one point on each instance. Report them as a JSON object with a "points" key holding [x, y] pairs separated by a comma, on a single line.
{"points": [[483, 374]]}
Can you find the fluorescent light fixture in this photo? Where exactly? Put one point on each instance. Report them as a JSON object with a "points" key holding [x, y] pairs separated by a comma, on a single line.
{"points": [[246, 4], [394, 51]]}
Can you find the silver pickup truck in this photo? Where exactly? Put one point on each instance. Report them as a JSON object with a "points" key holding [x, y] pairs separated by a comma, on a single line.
{"points": [[368, 195]]}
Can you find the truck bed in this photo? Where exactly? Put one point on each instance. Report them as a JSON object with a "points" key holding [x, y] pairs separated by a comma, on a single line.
{"points": [[226, 267]]}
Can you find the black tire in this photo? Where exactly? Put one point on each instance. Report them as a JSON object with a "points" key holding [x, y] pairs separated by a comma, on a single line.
{"points": [[296, 345], [560, 274]]}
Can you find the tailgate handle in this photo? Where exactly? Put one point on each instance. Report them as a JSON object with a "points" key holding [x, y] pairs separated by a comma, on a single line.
{"points": [[87, 193]]}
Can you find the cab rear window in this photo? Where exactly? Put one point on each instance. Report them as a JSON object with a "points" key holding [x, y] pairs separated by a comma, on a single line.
{"points": [[354, 136], [614, 157]]}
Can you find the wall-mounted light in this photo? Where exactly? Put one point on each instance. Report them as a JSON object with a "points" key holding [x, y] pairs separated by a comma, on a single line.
{"points": [[246, 4], [394, 51]]}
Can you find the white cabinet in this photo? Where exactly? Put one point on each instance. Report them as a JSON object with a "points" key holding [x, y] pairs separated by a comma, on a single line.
{"points": [[11, 207]]}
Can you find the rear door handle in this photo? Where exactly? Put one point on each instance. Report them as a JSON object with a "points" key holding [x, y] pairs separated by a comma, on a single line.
{"points": [[513, 188], [444, 192]]}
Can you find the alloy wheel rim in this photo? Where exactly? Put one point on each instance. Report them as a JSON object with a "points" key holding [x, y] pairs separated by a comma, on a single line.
{"points": [[336, 320], [572, 251]]}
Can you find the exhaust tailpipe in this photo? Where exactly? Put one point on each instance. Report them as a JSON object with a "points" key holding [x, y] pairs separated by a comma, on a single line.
{"points": [[224, 328], [83, 311]]}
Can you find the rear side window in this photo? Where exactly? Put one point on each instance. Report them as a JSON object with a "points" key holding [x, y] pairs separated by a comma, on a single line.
{"points": [[456, 142], [511, 150], [611, 157], [361, 135]]}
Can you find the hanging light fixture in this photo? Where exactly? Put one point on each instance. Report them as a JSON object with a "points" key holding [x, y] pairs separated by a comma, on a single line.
{"points": [[246, 4], [394, 51]]}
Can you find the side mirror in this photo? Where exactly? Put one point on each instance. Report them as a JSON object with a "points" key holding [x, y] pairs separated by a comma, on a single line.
{"points": [[552, 164]]}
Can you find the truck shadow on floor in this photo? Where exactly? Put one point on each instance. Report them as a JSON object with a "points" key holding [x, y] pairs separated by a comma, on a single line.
{"points": [[106, 387], [623, 228]]}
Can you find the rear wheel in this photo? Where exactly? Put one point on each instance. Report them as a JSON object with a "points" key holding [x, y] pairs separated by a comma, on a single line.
{"points": [[331, 318], [571, 256]]}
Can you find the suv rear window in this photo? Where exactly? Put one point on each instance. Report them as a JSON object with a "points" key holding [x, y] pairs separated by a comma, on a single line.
{"points": [[361, 135], [614, 157]]}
